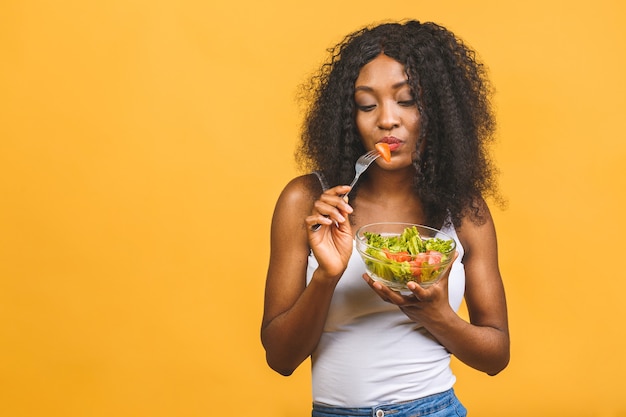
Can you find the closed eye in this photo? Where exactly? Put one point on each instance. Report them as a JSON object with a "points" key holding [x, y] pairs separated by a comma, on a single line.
{"points": [[366, 108]]}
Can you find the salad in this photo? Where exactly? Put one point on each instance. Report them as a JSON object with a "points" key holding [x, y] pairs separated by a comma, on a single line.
{"points": [[406, 257]]}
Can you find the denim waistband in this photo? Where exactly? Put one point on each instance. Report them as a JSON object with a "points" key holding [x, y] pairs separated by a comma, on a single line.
{"points": [[431, 405]]}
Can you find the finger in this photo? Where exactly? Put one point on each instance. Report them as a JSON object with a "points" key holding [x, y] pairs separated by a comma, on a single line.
{"points": [[384, 292], [375, 285], [335, 210], [418, 292], [340, 190], [341, 205], [315, 222], [337, 197]]}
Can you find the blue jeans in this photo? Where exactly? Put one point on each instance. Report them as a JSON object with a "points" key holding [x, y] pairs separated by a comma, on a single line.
{"points": [[445, 404]]}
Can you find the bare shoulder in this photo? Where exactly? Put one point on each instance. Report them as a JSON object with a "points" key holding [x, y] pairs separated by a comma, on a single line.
{"points": [[298, 196], [303, 187], [477, 232], [294, 204]]}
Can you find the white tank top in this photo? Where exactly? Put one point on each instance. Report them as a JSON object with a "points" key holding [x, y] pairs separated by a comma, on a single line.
{"points": [[370, 352]]}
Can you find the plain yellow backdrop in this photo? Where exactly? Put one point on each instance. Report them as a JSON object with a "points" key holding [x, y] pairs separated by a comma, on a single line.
{"points": [[143, 145]]}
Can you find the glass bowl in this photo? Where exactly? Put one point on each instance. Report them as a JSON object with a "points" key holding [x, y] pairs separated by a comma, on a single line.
{"points": [[396, 253]]}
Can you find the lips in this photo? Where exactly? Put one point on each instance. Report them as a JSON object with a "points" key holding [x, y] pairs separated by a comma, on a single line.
{"points": [[393, 142]]}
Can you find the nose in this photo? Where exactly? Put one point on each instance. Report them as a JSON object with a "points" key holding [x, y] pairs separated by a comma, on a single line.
{"points": [[387, 117]]}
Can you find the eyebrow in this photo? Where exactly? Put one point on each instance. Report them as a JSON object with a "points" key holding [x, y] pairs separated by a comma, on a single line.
{"points": [[368, 88]]}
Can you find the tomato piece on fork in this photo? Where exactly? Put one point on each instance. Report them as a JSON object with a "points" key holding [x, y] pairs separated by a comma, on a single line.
{"points": [[384, 151]]}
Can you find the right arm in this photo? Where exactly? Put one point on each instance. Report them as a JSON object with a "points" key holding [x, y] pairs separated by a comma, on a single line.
{"points": [[294, 313]]}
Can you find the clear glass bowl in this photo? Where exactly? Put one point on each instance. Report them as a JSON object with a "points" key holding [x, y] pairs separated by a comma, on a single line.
{"points": [[395, 269]]}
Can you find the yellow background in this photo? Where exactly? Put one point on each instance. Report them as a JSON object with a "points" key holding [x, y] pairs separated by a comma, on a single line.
{"points": [[143, 145]]}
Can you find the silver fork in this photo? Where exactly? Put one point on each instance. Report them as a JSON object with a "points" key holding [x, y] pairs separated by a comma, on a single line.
{"points": [[361, 165]]}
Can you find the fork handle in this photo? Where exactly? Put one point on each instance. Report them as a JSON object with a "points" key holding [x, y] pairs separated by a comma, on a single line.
{"points": [[316, 227], [356, 178]]}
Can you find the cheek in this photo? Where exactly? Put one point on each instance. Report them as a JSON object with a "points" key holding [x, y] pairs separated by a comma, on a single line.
{"points": [[413, 123], [362, 123]]}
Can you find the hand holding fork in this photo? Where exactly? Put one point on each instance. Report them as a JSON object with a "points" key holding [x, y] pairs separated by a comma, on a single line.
{"points": [[361, 165]]}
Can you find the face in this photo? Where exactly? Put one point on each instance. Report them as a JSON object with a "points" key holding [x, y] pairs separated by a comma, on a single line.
{"points": [[386, 109]]}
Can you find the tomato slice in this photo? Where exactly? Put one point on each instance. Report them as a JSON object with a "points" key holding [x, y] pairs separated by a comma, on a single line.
{"points": [[402, 256], [434, 257], [421, 259], [384, 151]]}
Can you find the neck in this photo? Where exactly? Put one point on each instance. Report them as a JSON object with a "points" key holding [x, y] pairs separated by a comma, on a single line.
{"points": [[388, 196], [389, 185]]}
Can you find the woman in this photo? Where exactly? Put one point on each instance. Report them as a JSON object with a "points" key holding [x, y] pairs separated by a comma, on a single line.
{"points": [[374, 351]]}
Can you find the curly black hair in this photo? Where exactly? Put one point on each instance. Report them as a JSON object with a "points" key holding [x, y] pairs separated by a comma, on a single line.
{"points": [[454, 172]]}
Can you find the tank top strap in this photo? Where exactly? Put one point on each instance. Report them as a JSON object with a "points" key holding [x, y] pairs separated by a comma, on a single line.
{"points": [[322, 179]]}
